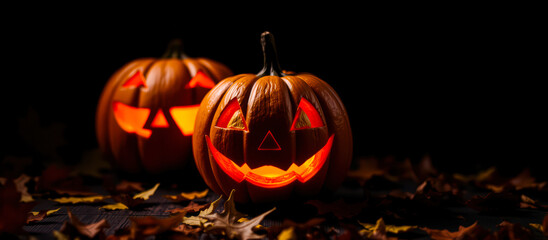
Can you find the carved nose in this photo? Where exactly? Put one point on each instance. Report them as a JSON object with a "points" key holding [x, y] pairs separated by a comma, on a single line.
{"points": [[269, 143]]}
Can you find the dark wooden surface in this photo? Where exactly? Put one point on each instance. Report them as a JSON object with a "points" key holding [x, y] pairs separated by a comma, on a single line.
{"points": [[157, 206], [91, 212]]}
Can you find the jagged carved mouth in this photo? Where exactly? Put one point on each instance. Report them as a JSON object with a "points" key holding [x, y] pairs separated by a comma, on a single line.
{"points": [[269, 176]]}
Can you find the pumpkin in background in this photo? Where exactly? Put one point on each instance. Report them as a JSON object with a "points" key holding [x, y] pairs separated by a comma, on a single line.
{"points": [[146, 112], [272, 135]]}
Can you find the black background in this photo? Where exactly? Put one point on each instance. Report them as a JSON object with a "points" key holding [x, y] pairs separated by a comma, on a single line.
{"points": [[463, 85]]}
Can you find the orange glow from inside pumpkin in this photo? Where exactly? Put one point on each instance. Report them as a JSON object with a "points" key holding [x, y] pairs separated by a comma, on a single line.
{"points": [[202, 80], [184, 117], [306, 117], [133, 119], [159, 120], [136, 80], [269, 176], [232, 117]]}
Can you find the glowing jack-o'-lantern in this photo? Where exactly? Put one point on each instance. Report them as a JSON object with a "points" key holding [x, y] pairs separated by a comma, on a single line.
{"points": [[272, 135], [145, 116]]}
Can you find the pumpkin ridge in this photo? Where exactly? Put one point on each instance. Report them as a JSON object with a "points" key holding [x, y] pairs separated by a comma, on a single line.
{"points": [[111, 112], [105, 105], [221, 70], [205, 123], [184, 65]]}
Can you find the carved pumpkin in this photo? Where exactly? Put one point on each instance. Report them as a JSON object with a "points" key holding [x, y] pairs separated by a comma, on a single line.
{"points": [[145, 116], [272, 135]]}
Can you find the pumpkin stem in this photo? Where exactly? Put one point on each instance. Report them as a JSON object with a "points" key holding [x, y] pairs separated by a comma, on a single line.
{"points": [[271, 65], [175, 50]]}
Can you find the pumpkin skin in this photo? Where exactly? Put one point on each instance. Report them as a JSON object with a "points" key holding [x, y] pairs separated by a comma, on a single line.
{"points": [[145, 115], [233, 155]]}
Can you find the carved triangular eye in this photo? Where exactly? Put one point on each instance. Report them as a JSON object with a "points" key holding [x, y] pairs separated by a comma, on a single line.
{"points": [[302, 120], [136, 80], [200, 80], [306, 117], [232, 117]]}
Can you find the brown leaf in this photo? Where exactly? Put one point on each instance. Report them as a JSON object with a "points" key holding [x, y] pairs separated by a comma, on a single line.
{"points": [[439, 191], [22, 188], [200, 221], [239, 230], [425, 169], [474, 231], [524, 180], [188, 230], [402, 170], [14, 213], [39, 216], [52, 176], [58, 179], [191, 207], [527, 202], [229, 214], [513, 231], [145, 195], [227, 224], [542, 227], [149, 225], [74, 228], [488, 176], [129, 187], [388, 168], [132, 201]]}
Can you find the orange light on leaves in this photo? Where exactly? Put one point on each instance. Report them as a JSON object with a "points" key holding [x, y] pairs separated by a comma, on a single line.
{"points": [[270, 176]]}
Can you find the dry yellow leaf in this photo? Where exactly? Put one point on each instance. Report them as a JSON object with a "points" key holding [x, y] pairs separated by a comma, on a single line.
{"points": [[258, 227], [380, 227], [75, 200], [288, 234], [187, 196], [537, 226], [199, 221], [146, 194], [116, 206], [47, 213], [194, 195]]}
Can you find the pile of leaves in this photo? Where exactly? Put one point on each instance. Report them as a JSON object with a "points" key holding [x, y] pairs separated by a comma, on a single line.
{"points": [[379, 200]]}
